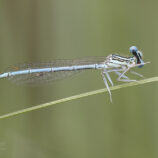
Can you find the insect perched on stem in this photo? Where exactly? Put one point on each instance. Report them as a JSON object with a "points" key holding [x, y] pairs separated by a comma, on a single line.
{"points": [[59, 69]]}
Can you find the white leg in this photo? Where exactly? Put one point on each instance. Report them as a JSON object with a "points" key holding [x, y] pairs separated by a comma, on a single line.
{"points": [[108, 77], [125, 80], [135, 73], [107, 86], [118, 73]]}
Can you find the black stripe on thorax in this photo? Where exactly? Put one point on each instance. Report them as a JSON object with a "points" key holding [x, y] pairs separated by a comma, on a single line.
{"points": [[121, 58]]}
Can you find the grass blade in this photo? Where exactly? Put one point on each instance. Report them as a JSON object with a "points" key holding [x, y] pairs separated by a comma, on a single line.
{"points": [[144, 81]]}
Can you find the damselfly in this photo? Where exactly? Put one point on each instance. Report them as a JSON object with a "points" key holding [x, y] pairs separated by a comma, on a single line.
{"points": [[59, 69]]}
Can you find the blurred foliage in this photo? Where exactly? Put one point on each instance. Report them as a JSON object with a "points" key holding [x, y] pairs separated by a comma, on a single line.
{"points": [[32, 31]]}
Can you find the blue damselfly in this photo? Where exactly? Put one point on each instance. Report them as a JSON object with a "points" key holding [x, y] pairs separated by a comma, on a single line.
{"points": [[59, 69]]}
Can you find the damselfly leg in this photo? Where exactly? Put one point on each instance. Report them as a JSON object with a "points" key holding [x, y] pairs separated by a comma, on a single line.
{"points": [[133, 72], [121, 76], [108, 76], [106, 84], [119, 73], [136, 73]]}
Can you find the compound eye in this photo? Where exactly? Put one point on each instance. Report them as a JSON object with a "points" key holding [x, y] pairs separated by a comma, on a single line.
{"points": [[133, 49]]}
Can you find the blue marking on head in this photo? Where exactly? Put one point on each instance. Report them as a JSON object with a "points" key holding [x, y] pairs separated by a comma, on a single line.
{"points": [[133, 49]]}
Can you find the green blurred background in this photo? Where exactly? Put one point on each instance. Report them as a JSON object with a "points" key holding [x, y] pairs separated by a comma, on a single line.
{"points": [[33, 31]]}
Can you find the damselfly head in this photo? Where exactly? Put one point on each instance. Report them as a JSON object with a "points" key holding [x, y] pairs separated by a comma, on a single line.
{"points": [[137, 54], [133, 49]]}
